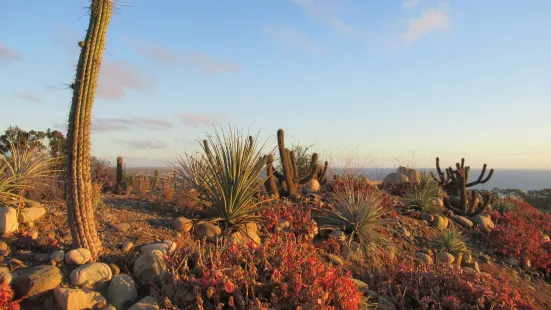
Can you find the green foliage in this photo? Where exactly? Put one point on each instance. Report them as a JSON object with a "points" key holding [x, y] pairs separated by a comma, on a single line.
{"points": [[357, 212], [422, 195], [505, 205], [51, 141], [228, 176], [452, 241], [302, 157]]}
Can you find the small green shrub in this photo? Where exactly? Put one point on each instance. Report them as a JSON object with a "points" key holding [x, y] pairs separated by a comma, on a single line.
{"points": [[506, 205], [452, 241], [423, 195]]}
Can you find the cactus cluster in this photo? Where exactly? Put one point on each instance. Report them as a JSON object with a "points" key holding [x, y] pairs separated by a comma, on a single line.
{"points": [[455, 183], [289, 179]]}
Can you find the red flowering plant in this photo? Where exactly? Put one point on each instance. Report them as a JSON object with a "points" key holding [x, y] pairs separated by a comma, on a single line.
{"points": [[521, 234], [6, 298], [413, 286], [283, 272]]}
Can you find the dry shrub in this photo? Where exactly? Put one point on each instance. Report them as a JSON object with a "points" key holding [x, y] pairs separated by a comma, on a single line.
{"points": [[168, 191], [143, 186], [97, 189]]}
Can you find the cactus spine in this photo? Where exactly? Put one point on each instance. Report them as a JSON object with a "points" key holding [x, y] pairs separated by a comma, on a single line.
{"points": [[78, 186], [120, 175]]}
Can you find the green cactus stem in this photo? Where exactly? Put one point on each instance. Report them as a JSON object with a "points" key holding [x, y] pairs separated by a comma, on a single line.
{"points": [[120, 176], [270, 183], [79, 186], [290, 188]]}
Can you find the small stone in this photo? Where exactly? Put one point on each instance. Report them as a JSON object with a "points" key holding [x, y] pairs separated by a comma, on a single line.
{"points": [[512, 261], [78, 256], [76, 299], [243, 238], [182, 224], [90, 275], [440, 222], [57, 256], [313, 186], [445, 258], [36, 281], [33, 234], [424, 258], [426, 217], [5, 275], [485, 223], [127, 246], [207, 230], [120, 227], [114, 269], [463, 221], [4, 249], [122, 291], [17, 262], [30, 224], [8, 220], [147, 303], [165, 247], [31, 214]]}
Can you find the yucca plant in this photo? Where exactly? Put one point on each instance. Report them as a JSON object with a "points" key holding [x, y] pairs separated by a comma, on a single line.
{"points": [[452, 241], [227, 174], [358, 213], [423, 195], [505, 205], [23, 168]]}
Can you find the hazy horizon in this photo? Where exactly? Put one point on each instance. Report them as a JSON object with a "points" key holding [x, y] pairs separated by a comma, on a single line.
{"points": [[386, 83]]}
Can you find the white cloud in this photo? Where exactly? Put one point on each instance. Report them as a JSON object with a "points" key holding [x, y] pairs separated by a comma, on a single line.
{"points": [[8, 55], [410, 3], [292, 36], [325, 10], [201, 119], [430, 20]]}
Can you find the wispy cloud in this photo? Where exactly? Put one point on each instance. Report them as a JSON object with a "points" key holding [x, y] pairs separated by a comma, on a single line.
{"points": [[8, 55], [410, 3], [28, 96], [119, 77], [116, 124], [430, 20], [325, 10], [152, 144], [292, 36], [201, 119], [193, 60]]}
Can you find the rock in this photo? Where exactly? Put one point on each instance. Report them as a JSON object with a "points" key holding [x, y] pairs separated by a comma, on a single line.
{"points": [[147, 303], [440, 222], [5, 275], [243, 238], [412, 174], [78, 256], [155, 222], [122, 291], [31, 214], [445, 258], [311, 187], [17, 262], [33, 234], [335, 259], [439, 203], [89, 275], [77, 299], [121, 226], [4, 249], [512, 261], [424, 258], [463, 221], [426, 217], [127, 246], [42, 257], [182, 224], [150, 267], [207, 230], [8, 220], [545, 238], [36, 281], [338, 235], [115, 270], [251, 227], [395, 178], [108, 307], [57, 256], [165, 247], [486, 224]]}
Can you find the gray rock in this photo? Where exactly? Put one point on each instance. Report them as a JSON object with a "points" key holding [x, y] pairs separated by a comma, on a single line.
{"points": [[57, 256], [34, 282], [445, 257], [147, 303], [426, 217], [412, 174], [42, 257], [120, 227], [78, 256], [512, 261], [77, 299], [31, 214], [243, 238], [8, 220], [90, 275], [167, 247], [122, 291], [395, 178], [150, 267]]}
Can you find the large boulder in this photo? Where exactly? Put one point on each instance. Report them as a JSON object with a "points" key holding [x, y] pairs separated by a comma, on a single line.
{"points": [[395, 178], [485, 223], [311, 187], [90, 275], [8, 220], [31, 214], [150, 267], [77, 299], [122, 291], [78, 256], [182, 224], [36, 281], [207, 230], [412, 174], [147, 303]]}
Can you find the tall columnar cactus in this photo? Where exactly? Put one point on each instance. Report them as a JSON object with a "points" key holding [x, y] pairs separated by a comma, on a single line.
{"points": [[78, 186], [120, 176], [270, 183], [463, 205], [448, 183]]}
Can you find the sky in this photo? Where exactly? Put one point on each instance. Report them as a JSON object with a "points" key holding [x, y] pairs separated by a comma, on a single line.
{"points": [[370, 83]]}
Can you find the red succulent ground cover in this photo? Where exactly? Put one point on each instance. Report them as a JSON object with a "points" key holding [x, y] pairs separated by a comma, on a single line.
{"points": [[521, 235], [6, 298]]}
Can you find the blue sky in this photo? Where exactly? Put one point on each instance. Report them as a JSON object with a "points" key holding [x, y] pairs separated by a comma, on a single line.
{"points": [[383, 83]]}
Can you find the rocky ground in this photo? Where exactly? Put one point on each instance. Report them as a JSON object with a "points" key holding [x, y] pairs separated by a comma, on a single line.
{"points": [[44, 267]]}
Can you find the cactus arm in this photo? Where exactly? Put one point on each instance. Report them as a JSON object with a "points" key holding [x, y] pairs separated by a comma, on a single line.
{"points": [[270, 184], [481, 179], [294, 164], [314, 167], [285, 164]]}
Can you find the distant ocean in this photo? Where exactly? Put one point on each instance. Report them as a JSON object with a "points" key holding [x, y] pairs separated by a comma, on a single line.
{"points": [[503, 178]]}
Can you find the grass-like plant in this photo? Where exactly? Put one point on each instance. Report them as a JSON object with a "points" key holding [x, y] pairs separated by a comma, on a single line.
{"points": [[452, 241], [422, 196], [506, 205], [227, 174], [356, 212], [22, 168]]}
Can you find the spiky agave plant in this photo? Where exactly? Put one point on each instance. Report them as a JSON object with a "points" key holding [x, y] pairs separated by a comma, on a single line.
{"points": [[505, 205], [23, 168], [228, 174], [357, 212], [452, 241], [422, 196]]}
